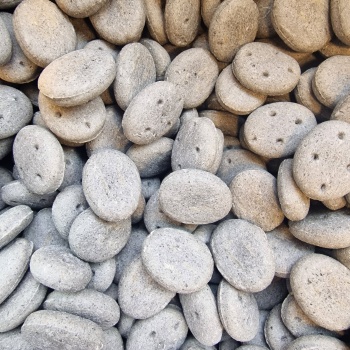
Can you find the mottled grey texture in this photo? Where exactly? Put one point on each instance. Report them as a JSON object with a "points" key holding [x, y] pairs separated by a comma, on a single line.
{"points": [[67, 206], [238, 312], [56, 330], [194, 196], [14, 259], [88, 303], [177, 260], [329, 308], [77, 77], [102, 275], [39, 159], [95, 240], [140, 296], [167, 328], [42, 231], [16, 110], [242, 255], [202, 316], [25, 299], [13, 222], [112, 185], [56, 267]]}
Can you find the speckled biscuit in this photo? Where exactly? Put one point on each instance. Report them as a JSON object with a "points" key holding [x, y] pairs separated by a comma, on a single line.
{"points": [[194, 196], [5, 146], [275, 130], [234, 97], [192, 343], [343, 256], [254, 198], [155, 218], [304, 26], [265, 26], [155, 20], [259, 339], [19, 69], [112, 339], [238, 312], [168, 328], [333, 48], [103, 275], [16, 111], [77, 77], [16, 193], [61, 331], [152, 113], [15, 259], [194, 72], [111, 185], [13, 222], [287, 250], [43, 31], [160, 56], [340, 13], [152, 159], [67, 206], [327, 86], [25, 299], [321, 161], [276, 333], [305, 96], [6, 44], [297, 322], [39, 159], [335, 204], [56, 267], [111, 135], [5, 178], [95, 240], [140, 296], [14, 340], [321, 228], [80, 9], [342, 110], [75, 124], [182, 19], [233, 24], [88, 303], [42, 231], [294, 203], [329, 307], [202, 316], [249, 270], [197, 146], [135, 70], [264, 69], [319, 342], [120, 22], [236, 160], [168, 256]]}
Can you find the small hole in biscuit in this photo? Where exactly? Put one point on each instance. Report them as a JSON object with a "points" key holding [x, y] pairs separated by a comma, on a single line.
{"points": [[36, 147], [21, 63], [280, 141], [186, 20], [88, 124], [341, 136], [148, 129], [152, 334], [254, 138], [323, 187], [58, 114], [179, 166], [249, 53], [196, 315], [348, 167], [298, 121], [160, 101], [39, 176], [272, 113], [266, 74], [78, 206], [229, 161], [290, 70], [15, 98], [168, 123], [315, 156], [197, 149], [1, 116]]}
